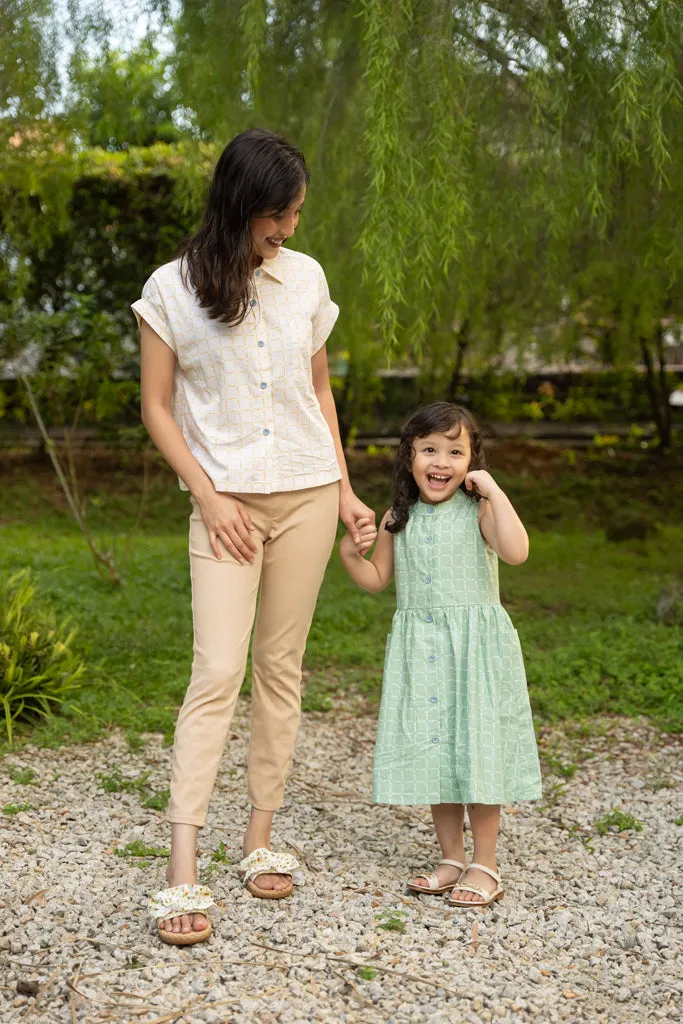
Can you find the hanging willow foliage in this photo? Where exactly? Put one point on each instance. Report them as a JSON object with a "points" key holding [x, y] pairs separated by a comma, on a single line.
{"points": [[480, 154], [508, 170]]}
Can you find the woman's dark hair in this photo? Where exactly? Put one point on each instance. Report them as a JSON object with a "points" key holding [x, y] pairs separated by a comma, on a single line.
{"points": [[257, 173], [437, 418]]}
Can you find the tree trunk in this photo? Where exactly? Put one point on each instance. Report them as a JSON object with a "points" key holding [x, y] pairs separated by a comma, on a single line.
{"points": [[463, 342], [344, 412], [657, 388]]}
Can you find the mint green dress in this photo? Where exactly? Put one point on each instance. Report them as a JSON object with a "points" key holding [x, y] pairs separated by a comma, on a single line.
{"points": [[455, 722]]}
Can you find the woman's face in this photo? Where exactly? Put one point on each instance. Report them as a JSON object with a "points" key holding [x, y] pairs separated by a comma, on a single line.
{"points": [[269, 231]]}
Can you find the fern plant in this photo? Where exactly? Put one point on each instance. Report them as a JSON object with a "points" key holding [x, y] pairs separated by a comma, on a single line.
{"points": [[38, 668]]}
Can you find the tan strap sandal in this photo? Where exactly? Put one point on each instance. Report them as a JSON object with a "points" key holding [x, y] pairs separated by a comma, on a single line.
{"points": [[266, 862], [176, 902], [434, 886], [487, 898]]}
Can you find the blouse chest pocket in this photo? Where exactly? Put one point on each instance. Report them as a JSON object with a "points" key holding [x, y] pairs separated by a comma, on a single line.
{"points": [[292, 341]]}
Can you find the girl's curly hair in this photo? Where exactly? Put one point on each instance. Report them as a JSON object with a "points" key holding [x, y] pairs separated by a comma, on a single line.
{"points": [[437, 418]]}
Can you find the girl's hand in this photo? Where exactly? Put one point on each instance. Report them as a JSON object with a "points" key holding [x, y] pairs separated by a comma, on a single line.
{"points": [[352, 512], [368, 534], [481, 482], [229, 523]]}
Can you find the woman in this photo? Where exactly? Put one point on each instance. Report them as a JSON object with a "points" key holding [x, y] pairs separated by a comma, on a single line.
{"points": [[236, 396]]}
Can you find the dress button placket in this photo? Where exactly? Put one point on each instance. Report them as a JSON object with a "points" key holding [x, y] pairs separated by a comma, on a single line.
{"points": [[434, 716]]}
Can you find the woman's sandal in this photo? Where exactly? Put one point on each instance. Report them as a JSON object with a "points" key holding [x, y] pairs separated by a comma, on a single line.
{"points": [[433, 886], [265, 862], [487, 898], [177, 901]]}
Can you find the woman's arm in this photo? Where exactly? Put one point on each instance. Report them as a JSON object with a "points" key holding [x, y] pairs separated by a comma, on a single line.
{"points": [[500, 525], [374, 574], [352, 512], [225, 517]]}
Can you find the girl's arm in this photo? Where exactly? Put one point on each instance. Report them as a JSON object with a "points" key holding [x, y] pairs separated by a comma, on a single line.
{"points": [[500, 525], [226, 519], [374, 574], [352, 512]]}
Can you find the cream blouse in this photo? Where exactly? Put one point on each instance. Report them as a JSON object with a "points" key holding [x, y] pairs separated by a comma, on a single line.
{"points": [[243, 396]]}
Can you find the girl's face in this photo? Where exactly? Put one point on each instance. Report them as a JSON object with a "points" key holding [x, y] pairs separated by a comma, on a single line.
{"points": [[269, 231], [440, 464]]}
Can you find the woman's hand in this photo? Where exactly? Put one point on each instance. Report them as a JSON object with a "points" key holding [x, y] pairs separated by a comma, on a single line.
{"points": [[229, 524], [481, 482], [354, 514]]}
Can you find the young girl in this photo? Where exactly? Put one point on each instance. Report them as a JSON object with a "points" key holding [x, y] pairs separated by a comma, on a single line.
{"points": [[455, 724], [236, 395]]}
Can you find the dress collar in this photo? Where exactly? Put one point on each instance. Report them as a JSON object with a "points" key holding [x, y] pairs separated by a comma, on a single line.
{"points": [[423, 508]]}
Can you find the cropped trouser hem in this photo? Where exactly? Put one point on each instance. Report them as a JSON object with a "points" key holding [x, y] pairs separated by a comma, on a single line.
{"points": [[198, 822], [276, 595]]}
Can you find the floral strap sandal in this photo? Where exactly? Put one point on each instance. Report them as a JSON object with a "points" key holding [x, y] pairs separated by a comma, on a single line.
{"points": [[486, 898], [434, 886], [177, 901], [265, 862]]}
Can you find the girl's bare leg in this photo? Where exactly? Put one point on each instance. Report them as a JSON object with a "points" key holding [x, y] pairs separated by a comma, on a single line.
{"points": [[182, 870], [449, 822], [485, 822]]}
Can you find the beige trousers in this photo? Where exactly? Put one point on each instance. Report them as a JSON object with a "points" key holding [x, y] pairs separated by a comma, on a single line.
{"points": [[294, 533]]}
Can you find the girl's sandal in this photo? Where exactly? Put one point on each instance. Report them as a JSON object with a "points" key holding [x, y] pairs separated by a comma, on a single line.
{"points": [[177, 901], [487, 898], [433, 886], [265, 862]]}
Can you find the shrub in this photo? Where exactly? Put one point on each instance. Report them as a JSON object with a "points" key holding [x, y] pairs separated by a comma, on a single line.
{"points": [[38, 668]]}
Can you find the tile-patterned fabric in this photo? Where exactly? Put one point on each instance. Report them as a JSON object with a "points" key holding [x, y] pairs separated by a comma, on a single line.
{"points": [[455, 722], [243, 396]]}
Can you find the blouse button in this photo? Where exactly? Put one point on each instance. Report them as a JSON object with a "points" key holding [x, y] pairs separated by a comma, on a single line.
{"points": [[252, 302], [430, 618], [430, 511], [258, 273], [266, 432], [435, 739], [433, 699], [260, 344], [263, 385], [428, 579], [432, 657], [428, 540]]}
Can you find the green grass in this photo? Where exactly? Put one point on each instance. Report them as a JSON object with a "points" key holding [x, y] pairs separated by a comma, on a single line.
{"points": [[584, 607], [11, 809], [140, 849], [220, 855], [22, 776], [391, 920], [619, 820], [114, 782]]}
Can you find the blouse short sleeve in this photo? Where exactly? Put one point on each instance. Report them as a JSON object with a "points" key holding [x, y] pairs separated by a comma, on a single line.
{"points": [[152, 309], [325, 315]]}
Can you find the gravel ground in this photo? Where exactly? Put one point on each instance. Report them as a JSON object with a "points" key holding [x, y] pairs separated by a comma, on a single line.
{"points": [[589, 929]]}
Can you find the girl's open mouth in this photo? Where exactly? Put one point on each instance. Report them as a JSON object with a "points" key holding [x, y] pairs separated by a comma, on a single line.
{"points": [[438, 480]]}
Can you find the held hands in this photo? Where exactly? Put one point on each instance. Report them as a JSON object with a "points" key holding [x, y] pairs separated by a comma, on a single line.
{"points": [[367, 532], [229, 524], [357, 517], [481, 482]]}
